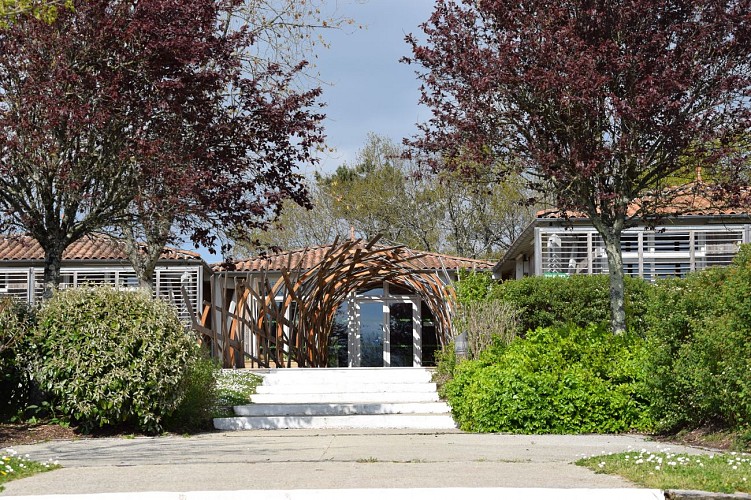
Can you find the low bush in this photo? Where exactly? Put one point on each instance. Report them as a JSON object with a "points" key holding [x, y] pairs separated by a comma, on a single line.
{"points": [[196, 409], [110, 357], [486, 322], [699, 354], [555, 380]]}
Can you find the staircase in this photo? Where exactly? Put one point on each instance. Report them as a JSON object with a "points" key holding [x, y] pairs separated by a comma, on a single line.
{"points": [[342, 398]]}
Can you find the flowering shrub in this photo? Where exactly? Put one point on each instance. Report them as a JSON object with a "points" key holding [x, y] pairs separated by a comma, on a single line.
{"points": [[111, 357], [556, 380]]}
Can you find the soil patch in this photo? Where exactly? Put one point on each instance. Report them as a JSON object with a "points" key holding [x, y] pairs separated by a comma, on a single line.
{"points": [[17, 434], [706, 437]]}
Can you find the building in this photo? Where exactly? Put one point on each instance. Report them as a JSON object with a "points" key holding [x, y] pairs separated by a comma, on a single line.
{"points": [[696, 239], [353, 304], [99, 259]]}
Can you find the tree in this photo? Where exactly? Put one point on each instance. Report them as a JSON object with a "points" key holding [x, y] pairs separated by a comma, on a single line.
{"points": [[226, 168], [286, 32], [235, 182], [297, 226], [381, 194], [594, 102], [117, 114], [385, 194], [483, 217], [69, 127]]}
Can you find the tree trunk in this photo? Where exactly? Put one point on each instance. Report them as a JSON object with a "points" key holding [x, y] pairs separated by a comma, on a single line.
{"points": [[53, 257], [145, 255], [612, 241]]}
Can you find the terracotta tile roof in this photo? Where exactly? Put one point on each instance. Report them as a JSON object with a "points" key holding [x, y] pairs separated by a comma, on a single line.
{"points": [[313, 255], [695, 199], [93, 247]]}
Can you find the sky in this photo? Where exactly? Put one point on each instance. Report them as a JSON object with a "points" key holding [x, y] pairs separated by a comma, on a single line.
{"points": [[366, 88], [370, 90]]}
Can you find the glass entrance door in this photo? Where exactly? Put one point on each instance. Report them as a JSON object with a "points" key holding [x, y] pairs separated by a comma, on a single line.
{"points": [[401, 335], [388, 333]]}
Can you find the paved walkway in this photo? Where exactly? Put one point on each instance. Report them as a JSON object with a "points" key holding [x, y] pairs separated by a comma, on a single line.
{"points": [[295, 460]]}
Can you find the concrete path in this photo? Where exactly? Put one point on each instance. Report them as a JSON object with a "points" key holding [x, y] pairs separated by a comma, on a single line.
{"points": [[296, 460]]}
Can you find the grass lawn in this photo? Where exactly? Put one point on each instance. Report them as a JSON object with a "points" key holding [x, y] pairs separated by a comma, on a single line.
{"points": [[15, 466], [234, 387], [715, 472]]}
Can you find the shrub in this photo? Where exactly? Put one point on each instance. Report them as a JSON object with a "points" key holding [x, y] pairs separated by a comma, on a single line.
{"points": [[112, 357], [445, 365], [699, 354], [579, 300], [199, 389], [474, 287], [485, 322], [556, 380], [16, 318]]}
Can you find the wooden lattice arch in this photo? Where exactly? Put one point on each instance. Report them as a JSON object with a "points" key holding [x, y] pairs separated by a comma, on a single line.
{"points": [[298, 335]]}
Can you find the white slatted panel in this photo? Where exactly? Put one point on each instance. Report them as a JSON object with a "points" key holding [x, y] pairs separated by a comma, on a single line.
{"points": [[649, 254], [168, 287], [15, 284]]}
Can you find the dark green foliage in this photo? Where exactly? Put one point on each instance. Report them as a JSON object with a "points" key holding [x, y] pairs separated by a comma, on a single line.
{"points": [[556, 380], [16, 318], [112, 357], [699, 354], [579, 300]]}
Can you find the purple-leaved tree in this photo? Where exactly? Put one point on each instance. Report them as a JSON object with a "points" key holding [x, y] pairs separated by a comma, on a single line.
{"points": [[141, 115], [597, 103]]}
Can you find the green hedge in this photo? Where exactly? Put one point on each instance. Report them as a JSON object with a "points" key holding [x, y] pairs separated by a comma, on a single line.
{"points": [[700, 350], [579, 300], [110, 357], [555, 380]]}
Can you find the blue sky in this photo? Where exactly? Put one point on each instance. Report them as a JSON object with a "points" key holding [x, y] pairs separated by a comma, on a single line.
{"points": [[370, 91]]}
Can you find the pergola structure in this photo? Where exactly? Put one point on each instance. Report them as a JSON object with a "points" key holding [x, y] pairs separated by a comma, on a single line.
{"points": [[291, 316]]}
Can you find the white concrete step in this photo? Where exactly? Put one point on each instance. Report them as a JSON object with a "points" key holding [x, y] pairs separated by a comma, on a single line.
{"points": [[270, 410], [347, 386], [394, 421], [342, 398], [313, 376], [346, 397]]}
